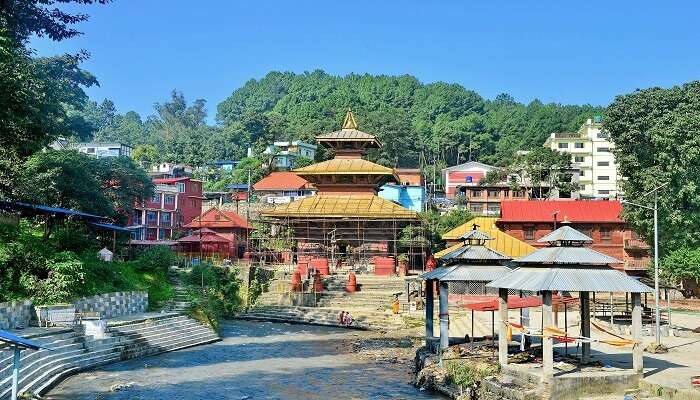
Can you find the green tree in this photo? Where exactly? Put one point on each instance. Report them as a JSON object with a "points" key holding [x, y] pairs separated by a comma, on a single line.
{"points": [[657, 140], [145, 153], [682, 263], [67, 178]]}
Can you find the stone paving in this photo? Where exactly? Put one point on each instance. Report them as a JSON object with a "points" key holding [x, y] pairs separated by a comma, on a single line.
{"points": [[253, 361]]}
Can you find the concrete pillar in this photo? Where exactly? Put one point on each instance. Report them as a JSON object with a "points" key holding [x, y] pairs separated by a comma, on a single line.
{"points": [[428, 310], [444, 317], [584, 297], [638, 350], [502, 329], [547, 343]]}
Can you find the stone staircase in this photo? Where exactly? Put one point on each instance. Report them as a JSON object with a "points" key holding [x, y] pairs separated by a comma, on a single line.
{"points": [[71, 351], [370, 307], [181, 300]]}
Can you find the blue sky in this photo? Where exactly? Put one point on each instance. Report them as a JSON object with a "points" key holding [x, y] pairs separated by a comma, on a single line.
{"points": [[557, 51]]}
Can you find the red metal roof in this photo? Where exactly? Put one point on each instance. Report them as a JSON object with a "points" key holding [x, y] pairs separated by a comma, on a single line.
{"points": [[583, 211], [215, 218], [170, 180], [282, 181]]}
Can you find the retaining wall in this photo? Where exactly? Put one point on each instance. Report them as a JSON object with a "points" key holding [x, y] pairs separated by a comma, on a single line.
{"points": [[15, 314], [116, 304]]}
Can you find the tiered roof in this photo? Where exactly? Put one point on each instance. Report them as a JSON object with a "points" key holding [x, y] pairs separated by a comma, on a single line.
{"points": [[341, 206], [344, 166], [568, 265]]}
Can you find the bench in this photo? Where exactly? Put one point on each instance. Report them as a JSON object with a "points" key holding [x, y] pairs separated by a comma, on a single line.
{"points": [[68, 317]]}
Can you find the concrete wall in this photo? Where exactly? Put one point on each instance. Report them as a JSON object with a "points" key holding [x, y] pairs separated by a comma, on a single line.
{"points": [[111, 305], [15, 314]]}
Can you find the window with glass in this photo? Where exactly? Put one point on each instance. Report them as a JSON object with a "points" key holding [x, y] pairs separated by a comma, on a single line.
{"points": [[151, 217], [603, 163], [579, 159], [180, 187], [476, 208], [151, 234], [161, 234], [169, 199], [605, 233], [155, 198], [603, 178], [136, 217], [476, 193], [494, 193], [494, 208], [603, 192], [604, 149], [578, 145], [563, 145], [165, 219], [529, 232]]}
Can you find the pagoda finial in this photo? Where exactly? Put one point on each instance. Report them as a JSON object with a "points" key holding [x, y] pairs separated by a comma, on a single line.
{"points": [[349, 122]]}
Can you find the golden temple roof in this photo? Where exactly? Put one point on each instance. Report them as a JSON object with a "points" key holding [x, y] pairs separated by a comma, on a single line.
{"points": [[502, 243], [344, 166], [349, 122], [349, 133], [346, 206]]}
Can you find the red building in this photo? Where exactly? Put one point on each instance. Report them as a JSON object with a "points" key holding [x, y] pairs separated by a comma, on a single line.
{"points": [[175, 202], [220, 224], [531, 220], [283, 187]]}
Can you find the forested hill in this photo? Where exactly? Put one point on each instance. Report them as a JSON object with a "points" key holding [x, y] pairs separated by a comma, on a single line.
{"points": [[439, 121]]}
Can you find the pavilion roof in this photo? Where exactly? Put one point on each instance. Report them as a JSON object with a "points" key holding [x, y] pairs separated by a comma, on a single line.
{"points": [[565, 234], [474, 253], [463, 273], [588, 279], [345, 166], [475, 235], [566, 265], [204, 235], [342, 206], [217, 218]]}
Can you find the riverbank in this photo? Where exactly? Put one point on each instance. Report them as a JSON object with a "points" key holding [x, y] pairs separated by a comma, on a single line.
{"points": [[262, 360]]}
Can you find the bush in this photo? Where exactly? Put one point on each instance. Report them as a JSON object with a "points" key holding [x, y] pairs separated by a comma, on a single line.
{"points": [[469, 372], [218, 293], [72, 237], [156, 258], [65, 278]]}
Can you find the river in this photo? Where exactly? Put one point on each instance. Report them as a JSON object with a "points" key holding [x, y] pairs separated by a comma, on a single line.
{"points": [[255, 360]]}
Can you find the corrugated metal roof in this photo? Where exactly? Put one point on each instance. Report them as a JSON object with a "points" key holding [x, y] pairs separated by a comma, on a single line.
{"points": [[363, 206], [502, 243], [475, 235], [567, 255], [464, 273], [576, 211], [345, 166], [18, 205], [474, 253], [111, 227], [565, 234], [597, 279]]}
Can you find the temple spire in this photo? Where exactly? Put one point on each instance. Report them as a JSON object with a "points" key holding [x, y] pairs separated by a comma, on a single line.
{"points": [[349, 122]]}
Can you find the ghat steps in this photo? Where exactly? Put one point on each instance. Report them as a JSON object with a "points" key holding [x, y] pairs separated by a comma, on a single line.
{"points": [[72, 351]]}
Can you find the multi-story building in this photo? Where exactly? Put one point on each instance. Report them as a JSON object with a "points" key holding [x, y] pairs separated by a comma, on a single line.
{"points": [[408, 192], [95, 149], [599, 219], [591, 152], [284, 154], [175, 203], [170, 170], [485, 199]]}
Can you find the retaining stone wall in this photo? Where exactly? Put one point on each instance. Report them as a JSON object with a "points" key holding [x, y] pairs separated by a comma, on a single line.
{"points": [[116, 304], [15, 314]]}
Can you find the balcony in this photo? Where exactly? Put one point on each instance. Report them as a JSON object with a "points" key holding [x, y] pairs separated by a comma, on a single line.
{"points": [[636, 244], [637, 265], [160, 188], [567, 135]]}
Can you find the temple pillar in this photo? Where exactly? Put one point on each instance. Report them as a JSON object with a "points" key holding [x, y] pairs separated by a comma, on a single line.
{"points": [[503, 329], [428, 310], [584, 297], [638, 349], [444, 317], [547, 343]]}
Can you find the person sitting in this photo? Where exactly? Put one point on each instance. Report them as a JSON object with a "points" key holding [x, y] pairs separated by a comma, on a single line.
{"points": [[341, 318], [348, 319]]}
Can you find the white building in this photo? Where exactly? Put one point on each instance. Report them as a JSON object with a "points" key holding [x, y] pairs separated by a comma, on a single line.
{"points": [[591, 152], [285, 153], [99, 150]]}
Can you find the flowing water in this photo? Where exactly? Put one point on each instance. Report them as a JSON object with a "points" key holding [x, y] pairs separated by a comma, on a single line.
{"points": [[255, 360]]}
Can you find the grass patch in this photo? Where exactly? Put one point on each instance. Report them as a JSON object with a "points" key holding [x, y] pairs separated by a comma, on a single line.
{"points": [[462, 372]]}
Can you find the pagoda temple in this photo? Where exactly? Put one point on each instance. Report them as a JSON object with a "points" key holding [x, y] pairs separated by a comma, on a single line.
{"points": [[346, 220]]}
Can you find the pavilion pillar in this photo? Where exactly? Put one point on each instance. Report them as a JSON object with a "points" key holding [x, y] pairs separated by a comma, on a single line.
{"points": [[15, 372], [503, 328], [584, 297], [638, 349], [444, 317], [547, 343], [428, 310]]}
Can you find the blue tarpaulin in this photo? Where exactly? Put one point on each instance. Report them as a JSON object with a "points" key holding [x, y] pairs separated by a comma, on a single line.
{"points": [[18, 205]]}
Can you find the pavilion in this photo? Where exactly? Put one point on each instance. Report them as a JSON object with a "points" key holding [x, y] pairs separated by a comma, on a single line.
{"points": [[346, 220], [567, 265], [472, 265]]}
